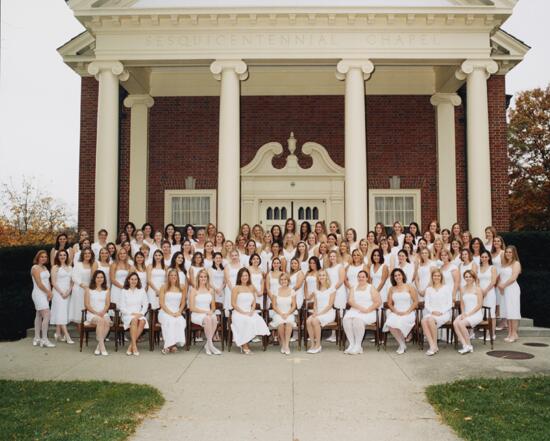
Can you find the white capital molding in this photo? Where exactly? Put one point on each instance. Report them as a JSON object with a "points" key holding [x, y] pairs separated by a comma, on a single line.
{"points": [[115, 67], [239, 66], [445, 98], [134, 100], [344, 66], [488, 67]]}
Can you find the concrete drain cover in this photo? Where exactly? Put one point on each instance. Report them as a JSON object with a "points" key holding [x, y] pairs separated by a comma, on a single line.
{"points": [[511, 355], [536, 345]]}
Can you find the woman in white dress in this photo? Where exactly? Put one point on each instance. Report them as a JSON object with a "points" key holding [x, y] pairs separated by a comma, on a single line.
{"points": [[379, 231], [140, 268], [490, 234], [438, 306], [337, 274], [245, 323], [102, 239], [351, 239], [197, 264], [476, 247], [398, 234], [402, 303], [344, 256], [172, 301], [147, 229], [272, 278], [320, 231], [508, 285], [302, 256], [81, 275], [133, 305], [258, 235], [335, 229], [103, 263], [62, 285], [424, 273], [312, 245], [231, 271], [456, 232], [364, 300], [456, 250], [356, 265], [379, 274], [249, 250], [118, 273], [156, 278], [257, 278], [187, 251], [41, 296], [408, 267], [137, 242], [265, 254], [208, 254], [471, 301], [466, 264], [497, 255], [323, 310], [322, 254], [284, 306], [310, 283], [82, 235], [277, 252], [217, 277], [97, 301], [332, 242], [177, 241], [202, 303], [466, 239], [487, 276], [305, 231], [211, 232], [166, 249], [451, 276], [289, 250], [61, 243], [297, 279], [219, 242]]}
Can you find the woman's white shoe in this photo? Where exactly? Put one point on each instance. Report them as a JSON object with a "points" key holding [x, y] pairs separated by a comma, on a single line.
{"points": [[35, 341], [46, 343], [401, 350]]}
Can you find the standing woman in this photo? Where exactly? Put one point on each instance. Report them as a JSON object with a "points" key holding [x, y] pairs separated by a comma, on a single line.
{"points": [[289, 248], [476, 247], [332, 242], [450, 273], [249, 250], [231, 272], [258, 235], [322, 254], [101, 241], [379, 231], [177, 240], [305, 230], [62, 285], [364, 301], [402, 303], [276, 234], [490, 234], [406, 266], [133, 305], [202, 303], [446, 238], [81, 275], [438, 246], [424, 273], [379, 274], [265, 254], [245, 232], [187, 251], [284, 306], [356, 265], [119, 271], [385, 249], [487, 276], [414, 229], [466, 239], [257, 277], [82, 234], [197, 264], [290, 228], [456, 232], [351, 239], [312, 244], [272, 278], [97, 301], [310, 283], [130, 229], [172, 321], [398, 233], [219, 240], [456, 252], [189, 233], [156, 278], [323, 310], [141, 268], [344, 254], [157, 242], [335, 229], [169, 231], [217, 277], [245, 323], [434, 229], [471, 301], [137, 241], [297, 281], [178, 263], [509, 273], [301, 255], [320, 231], [41, 296], [147, 229], [337, 275], [211, 232], [438, 307], [208, 253], [466, 264], [277, 252], [497, 255], [372, 245], [61, 243]]}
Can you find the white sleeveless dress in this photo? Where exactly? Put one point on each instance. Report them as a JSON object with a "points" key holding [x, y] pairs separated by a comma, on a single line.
{"points": [[363, 297], [256, 279], [39, 297], [288, 257], [83, 276], [470, 302], [424, 275], [60, 306], [512, 295], [311, 284], [402, 302], [376, 278], [351, 273], [299, 292], [173, 328], [440, 300], [484, 280], [408, 269], [273, 284], [132, 302], [106, 270], [246, 327], [341, 295], [266, 257], [120, 277], [142, 278], [158, 279], [233, 278], [448, 278], [217, 280], [323, 298], [97, 303], [203, 301], [284, 303], [463, 268], [497, 263]]}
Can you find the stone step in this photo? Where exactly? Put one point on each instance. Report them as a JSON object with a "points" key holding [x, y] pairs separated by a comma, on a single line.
{"points": [[534, 331]]}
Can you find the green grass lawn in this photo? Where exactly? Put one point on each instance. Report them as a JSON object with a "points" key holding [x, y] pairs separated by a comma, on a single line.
{"points": [[515, 409], [73, 410]]}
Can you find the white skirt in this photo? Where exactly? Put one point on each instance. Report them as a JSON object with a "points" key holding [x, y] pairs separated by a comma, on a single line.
{"points": [[327, 317], [173, 329], [402, 322], [76, 304], [278, 321], [475, 319], [40, 299], [92, 318], [512, 296], [197, 318], [127, 318], [60, 309], [367, 318], [440, 320], [116, 292], [246, 327]]}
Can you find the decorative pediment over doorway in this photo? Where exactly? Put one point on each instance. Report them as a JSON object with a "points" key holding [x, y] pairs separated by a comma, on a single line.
{"points": [[262, 164]]}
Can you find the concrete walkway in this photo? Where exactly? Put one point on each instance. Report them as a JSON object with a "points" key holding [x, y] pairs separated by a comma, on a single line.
{"points": [[268, 396]]}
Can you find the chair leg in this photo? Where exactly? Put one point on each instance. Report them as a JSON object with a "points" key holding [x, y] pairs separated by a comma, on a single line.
{"points": [[81, 336]]}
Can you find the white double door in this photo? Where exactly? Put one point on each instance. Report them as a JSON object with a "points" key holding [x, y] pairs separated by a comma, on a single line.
{"points": [[277, 211]]}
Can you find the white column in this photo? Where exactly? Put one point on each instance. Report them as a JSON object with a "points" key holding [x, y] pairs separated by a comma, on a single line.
{"points": [[230, 73], [108, 73], [446, 156], [355, 73], [476, 73], [139, 156]]}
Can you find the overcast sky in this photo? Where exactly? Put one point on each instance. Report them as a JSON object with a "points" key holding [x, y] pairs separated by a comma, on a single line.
{"points": [[39, 95]]}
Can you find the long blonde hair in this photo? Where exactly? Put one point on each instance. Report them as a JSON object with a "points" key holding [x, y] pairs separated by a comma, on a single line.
{"points": [[327, 283], [208, 287]]}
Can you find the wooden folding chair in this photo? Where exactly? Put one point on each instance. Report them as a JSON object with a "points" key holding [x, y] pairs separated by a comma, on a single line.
{"points": [[486, 325], [336, 325], [85, 329]]}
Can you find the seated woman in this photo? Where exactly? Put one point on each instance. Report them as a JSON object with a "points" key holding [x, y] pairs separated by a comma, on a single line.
{"points": [[133, 305], [402, 302], [471, 301], [324, 313], [97, 299], [284, 305], [437, 308], [172, 305], [202, 303], [364, 300], [245, 323]]}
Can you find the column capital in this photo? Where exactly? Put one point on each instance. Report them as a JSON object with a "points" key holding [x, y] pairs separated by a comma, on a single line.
{"points": [[239, 66], [445, 98], [487, 66], [345, 65], [134, 100], [115, 67]]}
